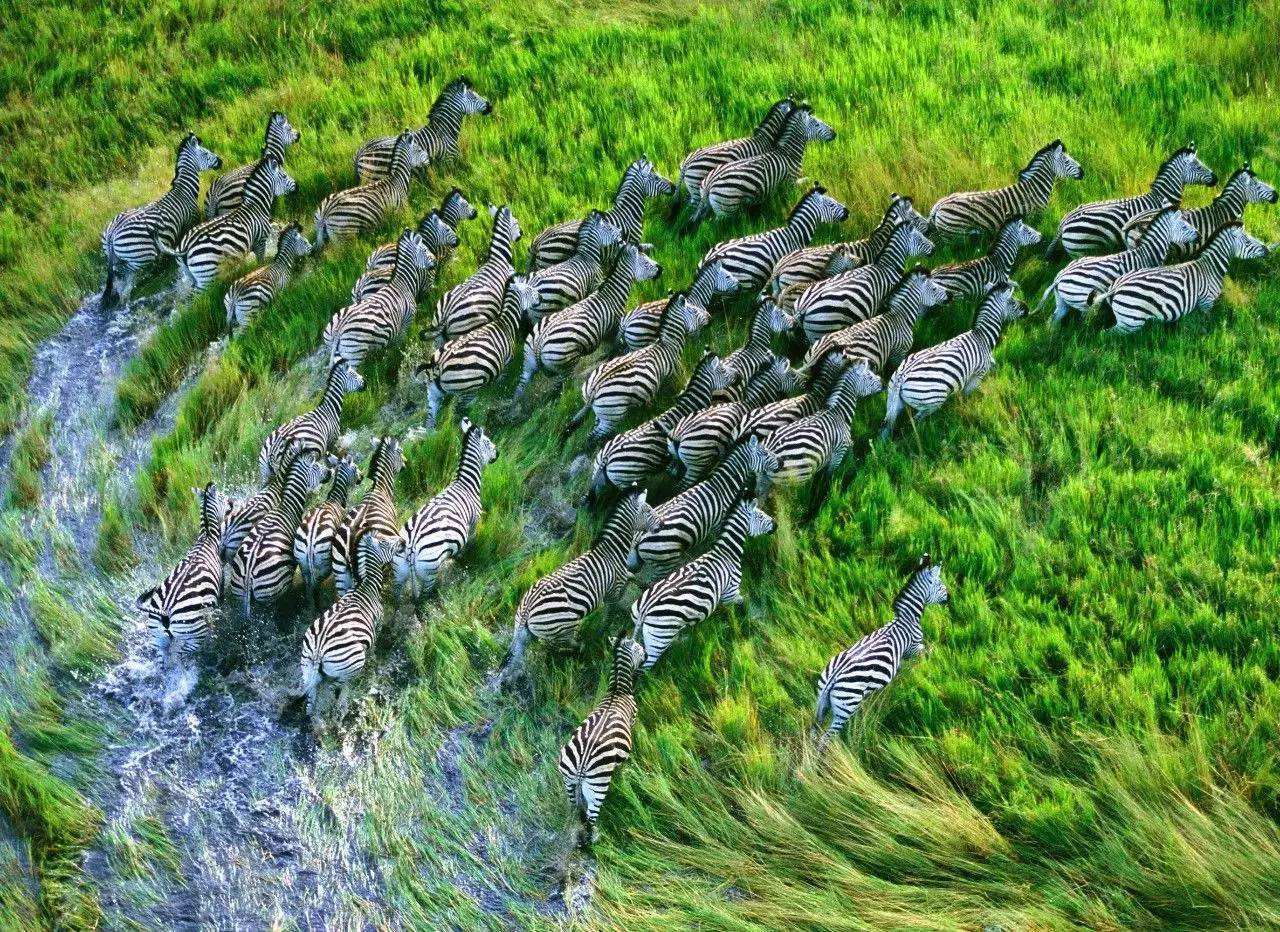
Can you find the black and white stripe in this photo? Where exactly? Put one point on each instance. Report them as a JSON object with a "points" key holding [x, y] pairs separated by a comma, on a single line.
{"points": [[226, 192], [228, 236], [873, 662], [438, 139], [438, 531], [694, 591], [856, 295], [375, 515], [963, 281], [699, 162], [313, 541], [178, 612], [755, 355], [986, 211], [383, 316], [762, 421], [639, 326], [314, 431], [640, 182], [1170, 292], [562, 284], [353, 211], [926, 379], [258, 288], [475, 302], [137, 237], [243, 515], [439, 232], [1099, 226]]}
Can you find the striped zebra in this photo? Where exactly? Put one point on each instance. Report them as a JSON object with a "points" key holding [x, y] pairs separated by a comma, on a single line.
{"points": [[682, 525], [438, 140], [694, 591], [803, 267], [246, 229], [243, 516], [640, 182], [353, 211], [638, 327], [439, 232], [375, 515], [561, 340], [137, 237], [1242, 188], [1168, 293], [603, 741], [751, 259], [178, 612], [625, 383], [226, 192], [475, 302], [774, 381], [698, 163], [313, 541], [468, 364], [314, 431], [1073, 287], [985, 211], [259, 288], [729, 188], [562, 284], [964, 281], [874, 661], [262, 569], [755, 355], [856, 295], [383, 316], [337, 643], [636, 455], [762, 421], [554, 607], [1099, 227], [441, 528], [882, 341], [926, 379]]}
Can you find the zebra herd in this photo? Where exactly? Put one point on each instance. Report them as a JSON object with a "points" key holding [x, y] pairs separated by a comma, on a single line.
{"points": [[743, 424]]}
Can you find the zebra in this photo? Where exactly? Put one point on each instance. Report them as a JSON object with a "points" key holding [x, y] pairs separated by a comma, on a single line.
{"points": [[774, 381], [762, 421], [314, 431], [1099, 227], [336, 645], [801, 268], [1242, 188], [178, 611], [262, 569], [313, 540], [1089, 275], [634, 456], [728, 188], [554, 608], [375, 160], [384, 315], [438, 531], [638, 327], [228, 236], [603, 741], [562, 284], [640, 182], [966, 280], [464, 366], [884, 340], [620, 385], [871, 663], [475, 302], [694, 591], [699, 162], [926, 379], [1167, 293], [856, 295], [681, 525], [243, 516], [559, 341], [226, 192], [259, 288], [439, 231], [751, 259], [985, 211], [353, 211], [375, 515], [754, 356], [137, 237]]}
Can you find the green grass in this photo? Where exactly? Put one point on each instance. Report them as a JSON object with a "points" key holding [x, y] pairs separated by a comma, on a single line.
{"points": [[1092, 738], [28, 459]]}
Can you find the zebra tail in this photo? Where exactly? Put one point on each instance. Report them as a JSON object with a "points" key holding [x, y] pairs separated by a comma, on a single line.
{"points": [[1101, 304], [576, 421], [108, 299], [322, 231], [1045, 297], [1055, 248], [824, 708], [893, 406], [513, 664]]}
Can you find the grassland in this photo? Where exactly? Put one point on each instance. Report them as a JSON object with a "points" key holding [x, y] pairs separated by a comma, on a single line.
{"points": [[1093, 737]]}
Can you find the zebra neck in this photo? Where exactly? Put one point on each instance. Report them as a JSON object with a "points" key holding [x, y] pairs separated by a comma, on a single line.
{"points": [[907, 612], [906, 310], [293, 503], [334, 392], [800, 227], [700, 290], [627, 211], [1005, 252], [616, 287], [1227, 207], [1168, 184], [372, 583], [339, 491], [1153, 246], [693, 398], [258, 198], [734, 537], [879, 237], [469, 471], [989, 328], [1215, 257], [444, 123], [500, 245], [843, 404], [273, 147], [761, 330], [186, 181], [894, 254], [622, 682], [1033, 193], [616, 536]]}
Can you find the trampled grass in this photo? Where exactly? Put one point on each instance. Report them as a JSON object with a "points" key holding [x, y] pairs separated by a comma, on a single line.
{"points": [[1092, 738]]}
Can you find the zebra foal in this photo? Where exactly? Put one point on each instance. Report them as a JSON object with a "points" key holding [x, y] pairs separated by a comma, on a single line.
{"points": [[226, 192], [255, 290]]}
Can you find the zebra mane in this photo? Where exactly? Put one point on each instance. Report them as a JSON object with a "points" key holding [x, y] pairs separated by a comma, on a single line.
{"points": [[1188, 149], [266, 134], [451, 90], [1037, 160], [1245, 169]]}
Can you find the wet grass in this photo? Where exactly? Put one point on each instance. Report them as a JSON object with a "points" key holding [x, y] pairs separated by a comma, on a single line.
{"points": [[29, 457], [1091, 739]]}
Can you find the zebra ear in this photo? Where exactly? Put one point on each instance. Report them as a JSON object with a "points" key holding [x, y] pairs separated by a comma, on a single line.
{"points": [[925, 561]]}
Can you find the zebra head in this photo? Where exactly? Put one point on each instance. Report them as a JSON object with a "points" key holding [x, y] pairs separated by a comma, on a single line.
{"points": [[785, 377], [438, 235], [193, 153], [522, 295], [280, 134], [1190, 169], [412, 251], [759, 523], [344, 377], [914, 241], [407, 152], [717, 277], [1171, 224], [1019, 233], [1055, 157], [344, 471], [822, 206], [377, 552], [476, 443], [281, 183], [779, 320], [654, 183], [312, 472], [386, 462], [638, 263], [1256, 191], [1240, 245], [632, 512], [858, 381], [1000, 306], [213, 509], [712, 373], [504, 222], [926, 583], [917, 289], [902, 209], [599, 230], [455, 208], [692, 315], [291, 244], [762, 463], [463, 96], [815, 129]]}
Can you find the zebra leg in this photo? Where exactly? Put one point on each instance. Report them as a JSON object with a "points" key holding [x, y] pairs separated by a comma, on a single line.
{"points": [[893, 410], [819, 491], [838, 719], [575, 422], [435, 396], [528, 370]]}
